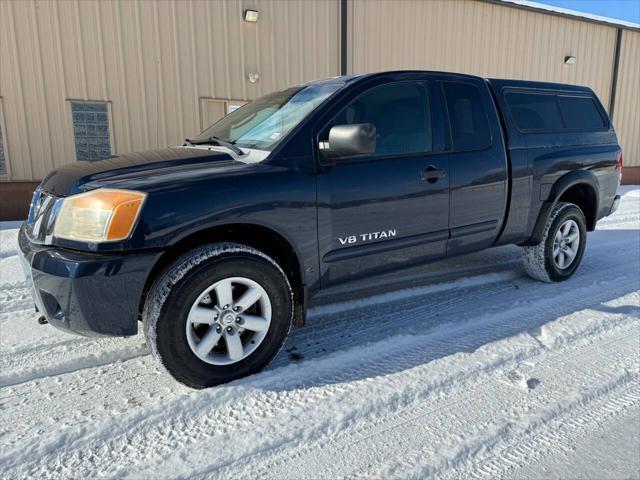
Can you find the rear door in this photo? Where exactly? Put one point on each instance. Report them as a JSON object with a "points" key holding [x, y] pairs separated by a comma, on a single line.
{"points": [[389, 210], [477, 165]]}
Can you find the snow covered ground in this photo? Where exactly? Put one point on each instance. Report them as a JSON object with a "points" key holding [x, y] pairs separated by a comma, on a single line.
{"points": [[486, 374]]}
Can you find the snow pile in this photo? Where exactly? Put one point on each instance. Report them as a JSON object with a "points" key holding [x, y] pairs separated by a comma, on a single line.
{"points": [[485, 375]]}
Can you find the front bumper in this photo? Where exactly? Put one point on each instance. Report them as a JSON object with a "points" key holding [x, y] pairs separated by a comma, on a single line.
{"points": [[86, 293]]}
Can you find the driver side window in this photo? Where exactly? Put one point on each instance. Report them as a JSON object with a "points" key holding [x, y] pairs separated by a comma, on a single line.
{"points": [[399, 111]]}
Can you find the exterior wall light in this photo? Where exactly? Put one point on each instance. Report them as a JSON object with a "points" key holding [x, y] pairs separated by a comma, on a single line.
{"points": [[251, 16], [253, 77], [569, 60]]}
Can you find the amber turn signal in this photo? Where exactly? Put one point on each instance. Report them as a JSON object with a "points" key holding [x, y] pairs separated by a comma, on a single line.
{"points": [[102, 215]]}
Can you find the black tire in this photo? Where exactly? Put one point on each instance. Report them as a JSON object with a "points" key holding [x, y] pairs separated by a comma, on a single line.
{"points": [[178, 287], [539, 261]]}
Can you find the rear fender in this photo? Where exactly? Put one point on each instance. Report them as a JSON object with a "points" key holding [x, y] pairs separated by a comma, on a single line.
{"points": [[562, 185]]}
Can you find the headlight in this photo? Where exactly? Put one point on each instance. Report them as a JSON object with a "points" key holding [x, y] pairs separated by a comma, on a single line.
{"points": [[99, 216]]}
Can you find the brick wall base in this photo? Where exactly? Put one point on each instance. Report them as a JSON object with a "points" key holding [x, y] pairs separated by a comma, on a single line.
{"points": [[15, 198], [631, 175]]}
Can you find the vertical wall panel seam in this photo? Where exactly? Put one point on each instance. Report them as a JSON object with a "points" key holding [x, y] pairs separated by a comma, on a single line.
{"points": [[42, 105], [258, 56], [286, 49], [243, 60], [351, 25], [360, 38], [314, 38], [194, 68], [69, 144], [124, 107], [212, 82], [3, 122], [78, 29], [160, 95], [18, 83], [176, 57], [343, 43], [103, 66], [328, 37], [225, 39], [300, 42], [141, 75], [273, 47]]}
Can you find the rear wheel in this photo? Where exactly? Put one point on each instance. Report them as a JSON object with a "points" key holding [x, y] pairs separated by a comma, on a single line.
{"points": [[560, 251], [218, 313]]}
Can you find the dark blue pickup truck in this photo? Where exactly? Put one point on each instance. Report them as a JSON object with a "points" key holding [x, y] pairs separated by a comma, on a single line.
{"points": [[219, 246]]}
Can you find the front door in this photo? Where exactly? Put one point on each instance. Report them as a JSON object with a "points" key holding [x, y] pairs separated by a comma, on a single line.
{"points": [[388, 210]]}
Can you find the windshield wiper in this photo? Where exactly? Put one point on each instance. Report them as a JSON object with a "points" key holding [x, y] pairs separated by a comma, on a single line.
{"points": [[217, 141]]}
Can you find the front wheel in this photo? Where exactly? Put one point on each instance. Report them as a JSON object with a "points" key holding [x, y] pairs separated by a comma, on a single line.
{"points": [[560, 251], [218, 313]]}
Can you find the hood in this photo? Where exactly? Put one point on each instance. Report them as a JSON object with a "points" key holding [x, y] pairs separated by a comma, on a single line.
{"points": [[82, 176]]}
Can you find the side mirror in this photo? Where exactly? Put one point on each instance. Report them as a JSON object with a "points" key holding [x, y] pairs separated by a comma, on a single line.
{"points": [[346, 140]]}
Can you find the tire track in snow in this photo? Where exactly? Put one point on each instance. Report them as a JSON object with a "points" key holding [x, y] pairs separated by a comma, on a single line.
{"points": [[15, 298], [421, 314], [201, 422], [346, 328], [604, 386], [552, 434], [56, 361], [29, 364], [330, 444], [33, 362], [243, 393], [560, 301], [77, 386]]}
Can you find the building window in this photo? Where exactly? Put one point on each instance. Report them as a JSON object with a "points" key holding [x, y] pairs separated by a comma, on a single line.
{"points": [[91, 130], [213, 109]]}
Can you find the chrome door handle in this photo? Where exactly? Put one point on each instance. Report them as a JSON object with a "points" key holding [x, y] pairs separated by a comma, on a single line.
{"points": [[432, 173]]}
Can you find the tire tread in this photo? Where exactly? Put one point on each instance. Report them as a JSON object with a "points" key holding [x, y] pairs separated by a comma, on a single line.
{"points": [[172, 275], [534, 255]]}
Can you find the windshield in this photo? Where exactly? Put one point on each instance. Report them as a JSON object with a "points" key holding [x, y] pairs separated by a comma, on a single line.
{"points": [[264, 122]]}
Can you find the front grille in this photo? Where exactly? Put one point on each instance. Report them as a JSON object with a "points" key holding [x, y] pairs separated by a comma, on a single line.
{"points": [[42, 215]]}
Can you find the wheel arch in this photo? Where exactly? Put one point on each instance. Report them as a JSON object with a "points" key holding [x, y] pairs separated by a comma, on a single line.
{"points": [[578, 187], [260, 237]]}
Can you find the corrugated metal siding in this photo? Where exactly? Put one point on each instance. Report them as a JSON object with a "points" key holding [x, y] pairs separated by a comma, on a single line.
{"points": [[480, 38], [155, 61], [152, 60], [627, 109]]}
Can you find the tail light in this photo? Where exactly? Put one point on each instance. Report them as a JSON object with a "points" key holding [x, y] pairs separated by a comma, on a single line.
{"points": [[619, 162]]}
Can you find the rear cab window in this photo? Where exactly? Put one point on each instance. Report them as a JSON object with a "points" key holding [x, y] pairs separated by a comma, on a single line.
{"points": [[534, 112], [467, 117]]}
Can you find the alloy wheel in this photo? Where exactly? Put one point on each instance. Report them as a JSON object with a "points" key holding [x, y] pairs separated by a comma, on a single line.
{"points": [[566, 244], [228, 320]]}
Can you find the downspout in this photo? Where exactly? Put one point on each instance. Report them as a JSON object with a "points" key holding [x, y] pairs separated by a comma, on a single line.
{"points": [[614, 76], [343, 37]]}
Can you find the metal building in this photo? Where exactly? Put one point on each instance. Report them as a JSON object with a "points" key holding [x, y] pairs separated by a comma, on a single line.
{"points": [[82, 80]]}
